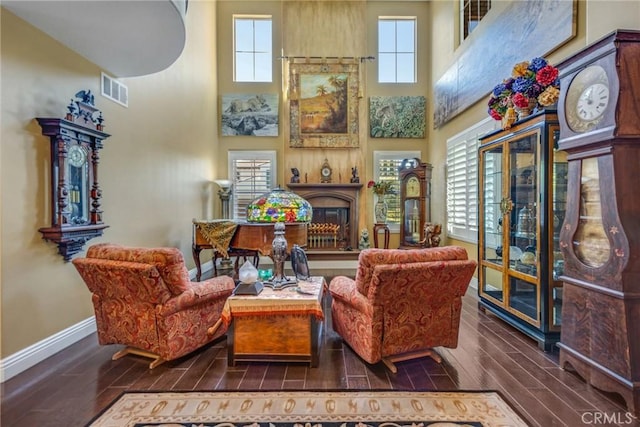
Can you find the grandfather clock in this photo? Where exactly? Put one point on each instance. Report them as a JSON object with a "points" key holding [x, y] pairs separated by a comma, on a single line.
{"points": [[415, 201], [600, 238]]}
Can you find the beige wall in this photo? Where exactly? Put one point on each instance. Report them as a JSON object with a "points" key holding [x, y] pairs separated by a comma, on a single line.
{"points": [[226, 85], [166, 146], [154, 168]]}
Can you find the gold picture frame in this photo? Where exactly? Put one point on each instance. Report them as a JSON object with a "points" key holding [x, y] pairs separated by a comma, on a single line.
{"points": [[323, 101]]}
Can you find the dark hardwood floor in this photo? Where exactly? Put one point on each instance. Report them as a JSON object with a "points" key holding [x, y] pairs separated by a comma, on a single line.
{"points": [[71, 387]]}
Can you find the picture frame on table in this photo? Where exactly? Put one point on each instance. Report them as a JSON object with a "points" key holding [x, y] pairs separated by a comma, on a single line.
{"points": [[299, 263]]}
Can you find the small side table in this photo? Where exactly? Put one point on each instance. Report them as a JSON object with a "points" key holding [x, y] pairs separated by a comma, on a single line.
{"points": [[376, 229]]}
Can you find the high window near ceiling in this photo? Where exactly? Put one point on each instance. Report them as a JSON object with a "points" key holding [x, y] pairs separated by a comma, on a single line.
{"points": [[462, 181], [252, 174], [397, 49], [253, 49], [471, 13], [386, 166]]}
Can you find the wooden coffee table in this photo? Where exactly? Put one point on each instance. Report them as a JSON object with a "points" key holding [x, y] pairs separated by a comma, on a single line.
{"points": [[283, 325]]}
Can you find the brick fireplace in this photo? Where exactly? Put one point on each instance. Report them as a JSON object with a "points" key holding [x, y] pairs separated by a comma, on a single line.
{"points": [[332, 204]]}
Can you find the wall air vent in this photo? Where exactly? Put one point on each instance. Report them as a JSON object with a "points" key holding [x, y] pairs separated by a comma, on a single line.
{"points": [[115, 90]]}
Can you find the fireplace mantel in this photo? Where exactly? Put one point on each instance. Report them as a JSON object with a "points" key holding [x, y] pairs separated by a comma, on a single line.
{"points": [[333, 196], [348, 187]]}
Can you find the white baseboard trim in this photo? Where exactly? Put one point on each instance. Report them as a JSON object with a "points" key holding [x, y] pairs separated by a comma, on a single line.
{"points": [[36, 353]]}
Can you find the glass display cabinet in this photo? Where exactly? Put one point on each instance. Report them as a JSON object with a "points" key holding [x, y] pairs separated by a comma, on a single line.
{"points": [[523, 181]]}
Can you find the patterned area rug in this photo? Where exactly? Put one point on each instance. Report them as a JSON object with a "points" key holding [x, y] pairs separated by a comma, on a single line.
{"points": [[309, 409]]}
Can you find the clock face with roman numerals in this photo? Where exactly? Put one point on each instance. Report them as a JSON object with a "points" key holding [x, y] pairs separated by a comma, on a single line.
{"points": [[593, 102], [587, 99], [413, 187], [77, 156]]}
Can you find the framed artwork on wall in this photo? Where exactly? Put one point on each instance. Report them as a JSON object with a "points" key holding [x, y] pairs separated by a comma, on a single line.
{"points": [[542, 27], [249, 114], [323, 100], [397, 116]]}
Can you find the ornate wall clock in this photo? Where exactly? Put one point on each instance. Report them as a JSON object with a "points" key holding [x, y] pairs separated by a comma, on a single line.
{"points": [[75, 193], [600, 130]]}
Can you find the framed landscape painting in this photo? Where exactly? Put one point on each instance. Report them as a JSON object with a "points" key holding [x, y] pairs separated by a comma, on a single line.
{"points": [[324, 105], [250, 114], [397, 116]]}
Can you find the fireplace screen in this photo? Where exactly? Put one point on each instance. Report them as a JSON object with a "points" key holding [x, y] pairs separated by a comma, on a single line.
{"points": [[329, 229]]}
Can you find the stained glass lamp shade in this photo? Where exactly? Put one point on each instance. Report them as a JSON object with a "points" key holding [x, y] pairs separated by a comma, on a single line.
{"points": [[279, 205]]}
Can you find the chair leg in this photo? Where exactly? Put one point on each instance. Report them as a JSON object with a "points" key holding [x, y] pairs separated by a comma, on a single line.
{"points": [[389, 361], [212, 330], [157, 360]]}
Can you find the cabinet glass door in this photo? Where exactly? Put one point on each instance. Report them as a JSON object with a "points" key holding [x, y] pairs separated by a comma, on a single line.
{"points": [[559, 176], [523, 229], [492, 226]]}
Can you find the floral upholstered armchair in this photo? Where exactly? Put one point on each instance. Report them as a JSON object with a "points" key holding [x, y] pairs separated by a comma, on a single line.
{"points": [[143, 299], [402, 303]]}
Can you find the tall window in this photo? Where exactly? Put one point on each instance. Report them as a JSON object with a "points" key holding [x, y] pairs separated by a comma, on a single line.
{"points": [[397, 49], [471, 13], [253, 59], [462, 181], [385, 168], [252, 174]]}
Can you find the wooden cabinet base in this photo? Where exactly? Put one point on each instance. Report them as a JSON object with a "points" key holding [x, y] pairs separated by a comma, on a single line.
{"points": [[600, 339], [601, 378], [278, 338]]}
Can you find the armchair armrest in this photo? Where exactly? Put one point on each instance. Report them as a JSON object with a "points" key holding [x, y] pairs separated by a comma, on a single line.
{"points": [[214, 289], [344, 289]]}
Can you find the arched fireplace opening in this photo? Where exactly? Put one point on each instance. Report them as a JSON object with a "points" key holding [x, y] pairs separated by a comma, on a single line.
{"points": [[335, 215]]}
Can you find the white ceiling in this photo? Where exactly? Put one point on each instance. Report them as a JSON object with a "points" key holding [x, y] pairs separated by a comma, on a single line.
{"points": [[125, 38]]}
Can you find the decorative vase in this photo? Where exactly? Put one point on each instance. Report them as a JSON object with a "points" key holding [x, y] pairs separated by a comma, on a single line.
{"points": [[526, 111], [522, 112], [381, 210], [525, 226]]}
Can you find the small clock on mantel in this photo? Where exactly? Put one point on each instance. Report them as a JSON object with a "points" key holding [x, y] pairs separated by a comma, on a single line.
{"points": [[415, 183], [325, 172], [75, 143], [600, 131]]}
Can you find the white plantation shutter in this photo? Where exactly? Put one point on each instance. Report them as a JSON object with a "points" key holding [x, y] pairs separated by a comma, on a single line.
{"points": [[385, 168], [252, 174], [462, 181]]}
